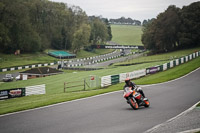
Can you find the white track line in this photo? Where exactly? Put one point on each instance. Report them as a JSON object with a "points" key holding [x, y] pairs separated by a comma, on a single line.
{"points": [[58, 104], [191, 131], [91, 96], [179, 115]]}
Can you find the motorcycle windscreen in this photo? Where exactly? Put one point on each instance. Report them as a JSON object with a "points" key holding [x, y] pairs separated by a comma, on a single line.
{"points": [[127, 90]]}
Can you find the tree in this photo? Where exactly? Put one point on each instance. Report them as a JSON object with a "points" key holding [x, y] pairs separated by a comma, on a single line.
{"points": [[189, 31], [99, 33], [81, 37], [4, 38], [108, 29], [167, 29], [145, 22], [148, 35], [34, 25], [162, 34]]}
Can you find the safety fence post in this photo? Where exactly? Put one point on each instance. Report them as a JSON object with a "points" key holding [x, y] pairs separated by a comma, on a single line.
{"points": [[84, 85], [64, 87]]}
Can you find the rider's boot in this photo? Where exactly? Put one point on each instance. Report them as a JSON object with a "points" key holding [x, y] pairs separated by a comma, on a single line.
{"points": [[142, 93]]}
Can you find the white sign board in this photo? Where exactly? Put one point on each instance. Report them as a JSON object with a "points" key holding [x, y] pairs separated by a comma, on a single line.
{"points": [[24, 77]]}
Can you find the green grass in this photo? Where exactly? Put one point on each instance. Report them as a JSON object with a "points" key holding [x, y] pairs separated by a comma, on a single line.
{"points": [[170, 74], [95, 52], [122, 34], [30, 102], [37, 58], [127, 34], [160, 58], [24, 59], [55, 84]]}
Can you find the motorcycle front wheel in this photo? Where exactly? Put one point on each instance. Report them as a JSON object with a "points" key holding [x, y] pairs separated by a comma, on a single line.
{"points": [[133, 104], [147, 103]]}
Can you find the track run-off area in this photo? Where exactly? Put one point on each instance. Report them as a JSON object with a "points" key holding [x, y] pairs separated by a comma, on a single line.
{"points": [[109, 113]]}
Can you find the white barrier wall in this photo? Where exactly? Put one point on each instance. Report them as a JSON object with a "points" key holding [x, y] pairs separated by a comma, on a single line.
{"points": [[194, 55], [132, 75], [190, 56], [105, 81], [177, 62], [35, 90], [182, 60], [164, 66], [186, 58], [139, 73], [122, 77], [171, 64]]}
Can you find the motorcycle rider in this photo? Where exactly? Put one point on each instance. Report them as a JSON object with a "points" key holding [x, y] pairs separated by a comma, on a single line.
{"points": [[133, 86]]}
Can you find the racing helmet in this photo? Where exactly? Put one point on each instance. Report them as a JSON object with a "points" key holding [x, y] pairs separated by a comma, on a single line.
{"points": [[127, 80]]}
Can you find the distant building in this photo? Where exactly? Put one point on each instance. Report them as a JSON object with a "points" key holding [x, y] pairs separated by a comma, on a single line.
{"points": [[38, 72]]}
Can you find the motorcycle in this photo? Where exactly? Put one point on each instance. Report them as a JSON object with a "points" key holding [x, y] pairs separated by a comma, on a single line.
{"points": [[135, 99]]}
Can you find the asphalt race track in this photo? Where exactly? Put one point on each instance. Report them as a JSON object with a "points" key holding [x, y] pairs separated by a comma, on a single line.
{"points": [[108, 113], [107, 63]]}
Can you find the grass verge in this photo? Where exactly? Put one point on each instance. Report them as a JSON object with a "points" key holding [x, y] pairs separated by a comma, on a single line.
{"points": [[127, 34], [170, 74], [11, 60], [29, 102], [159, 57]]}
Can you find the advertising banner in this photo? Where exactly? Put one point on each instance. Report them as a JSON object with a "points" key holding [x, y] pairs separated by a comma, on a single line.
{"points": [[114, 79], [117, 47], [12, 93], [3, 94], [132, 75], [19, 92], [153, 70]]}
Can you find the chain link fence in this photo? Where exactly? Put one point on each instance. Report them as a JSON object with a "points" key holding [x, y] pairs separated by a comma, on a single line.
{"points": [[89, 83]]}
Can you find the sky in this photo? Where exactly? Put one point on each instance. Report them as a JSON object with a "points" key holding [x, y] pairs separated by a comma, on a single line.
{"points": [[135, 9]]}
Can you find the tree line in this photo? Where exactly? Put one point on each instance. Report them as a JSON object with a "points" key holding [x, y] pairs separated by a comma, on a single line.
{"points": [[127, 21], [173, 29], [36, 25]]}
